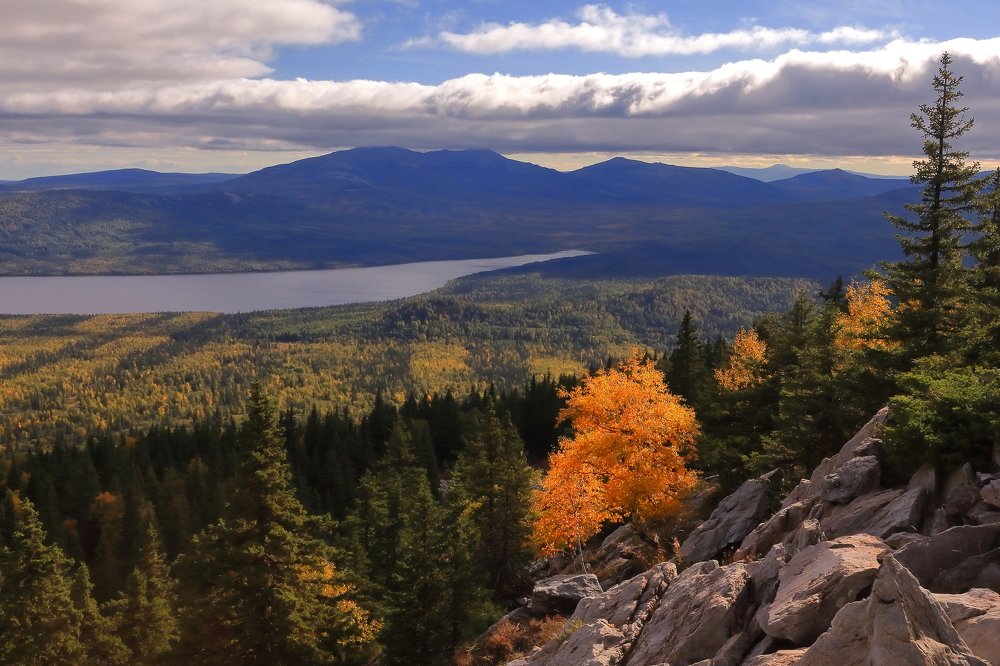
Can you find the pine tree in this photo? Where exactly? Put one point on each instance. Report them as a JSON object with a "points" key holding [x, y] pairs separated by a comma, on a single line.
{"points": [[493, 476], [97, 632], [384, 493], [39, 621], [259, 586], [416, 631], [818, 401], [686, 368], [144, 611], [986, 274], [930, 283]]}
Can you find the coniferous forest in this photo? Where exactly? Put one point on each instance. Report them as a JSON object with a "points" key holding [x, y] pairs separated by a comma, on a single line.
{"points": [[394, 520]]}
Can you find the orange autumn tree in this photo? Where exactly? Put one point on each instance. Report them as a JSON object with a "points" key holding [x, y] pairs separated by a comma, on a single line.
{"points": [[745, 367], [627, 458], [869, 312]]}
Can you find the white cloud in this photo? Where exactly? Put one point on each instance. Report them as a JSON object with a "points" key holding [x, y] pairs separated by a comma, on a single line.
{"points": [[111, 43], [802, 102], [601, 29]]}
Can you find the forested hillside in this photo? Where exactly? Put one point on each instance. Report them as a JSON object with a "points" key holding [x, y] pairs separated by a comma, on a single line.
{"points": [[66, 376]]}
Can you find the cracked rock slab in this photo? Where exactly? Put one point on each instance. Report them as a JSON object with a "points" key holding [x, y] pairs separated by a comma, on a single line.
{"points": [[818, 582]]}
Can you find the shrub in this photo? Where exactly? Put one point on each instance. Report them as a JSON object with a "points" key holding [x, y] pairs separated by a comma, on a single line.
{"points": [[945, 416]]}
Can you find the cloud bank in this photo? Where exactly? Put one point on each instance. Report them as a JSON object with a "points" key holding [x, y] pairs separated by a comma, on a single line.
{"points": [[600, 29], [145, 74], [113, 43]]}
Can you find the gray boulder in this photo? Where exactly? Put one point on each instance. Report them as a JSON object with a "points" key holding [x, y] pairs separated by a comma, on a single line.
{"points": [[991, 493], [818, 582], [700, 612], [900, 623], [598, 644], [880, 513], [620, 556], [950, 562], [561, 594], [960, 492], [855, 477], [775, 529], [731, 521], [900, 539], [976, 617], [629, 603], [779, 658], [983, 513], [603, 626], [870, 430]]}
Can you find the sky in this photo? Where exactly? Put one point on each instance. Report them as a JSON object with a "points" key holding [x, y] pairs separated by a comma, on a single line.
{"points": [[235, 85]]}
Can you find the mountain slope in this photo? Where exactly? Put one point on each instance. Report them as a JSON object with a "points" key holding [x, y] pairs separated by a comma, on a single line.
{"points": [[388, 205], [834, 184], [631, 181], [766, 174], [121, 180]]}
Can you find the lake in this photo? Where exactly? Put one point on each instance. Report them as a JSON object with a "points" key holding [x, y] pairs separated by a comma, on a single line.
{"points": [[241, 292]]}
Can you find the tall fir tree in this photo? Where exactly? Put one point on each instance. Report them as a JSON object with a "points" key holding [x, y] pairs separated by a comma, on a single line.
{"points": [[493, 476], [686, 368], [986, 275], [931, 283], [260, 586], [416, 632], [144, 612], [384, 493], [39, 621], [97, 632]]}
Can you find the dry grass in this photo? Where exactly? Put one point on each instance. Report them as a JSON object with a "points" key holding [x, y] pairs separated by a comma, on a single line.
{"points": [[510, 640]]}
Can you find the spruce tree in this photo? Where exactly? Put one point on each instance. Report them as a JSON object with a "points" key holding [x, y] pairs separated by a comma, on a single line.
{"points": [[97, 632], [686, 368], [416, 630], [39, 621], [260, 586], [492, 475], [985, 338], [144, 611], [930, 283]]}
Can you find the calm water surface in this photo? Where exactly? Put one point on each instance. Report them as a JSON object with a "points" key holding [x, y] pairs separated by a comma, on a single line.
{"points": [[240, 292]]}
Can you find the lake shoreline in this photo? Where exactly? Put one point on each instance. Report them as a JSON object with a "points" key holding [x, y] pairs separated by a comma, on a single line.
{"points": [[241, 292]]}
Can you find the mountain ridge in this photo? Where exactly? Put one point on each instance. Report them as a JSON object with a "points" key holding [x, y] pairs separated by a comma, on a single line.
{"points": [[370, 206]]}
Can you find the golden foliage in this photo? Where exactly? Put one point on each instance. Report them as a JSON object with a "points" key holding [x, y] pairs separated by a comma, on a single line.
{"points": [[869, 311], [745, 367], [361, 627], [571, 504], [627, 458]]}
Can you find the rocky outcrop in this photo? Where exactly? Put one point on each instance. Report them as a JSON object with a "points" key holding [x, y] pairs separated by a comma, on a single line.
{"points": [[619, 557], [628, 604], [818, 582], [845, 572], [976, 617], [779, 658], [991, 493], [561, 594], [855, 477], [960, 493], [704, 607], [775, 529], [900, 623], [859, 445], [735, 517], [954, 560], [880, 513], [598, 644], [604, 626]]}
